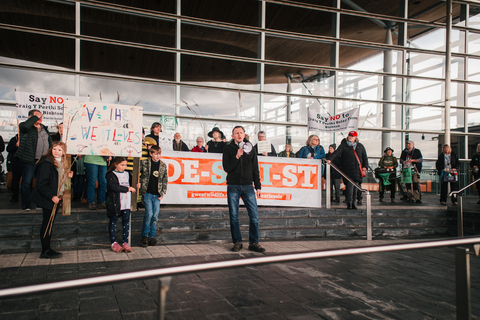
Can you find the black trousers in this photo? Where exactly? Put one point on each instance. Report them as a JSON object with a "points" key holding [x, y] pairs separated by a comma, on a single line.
{"points": [[45, 238], [444, 188]]}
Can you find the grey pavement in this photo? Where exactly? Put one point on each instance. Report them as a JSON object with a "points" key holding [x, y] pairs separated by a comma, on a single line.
{"points": [[416, 284]]}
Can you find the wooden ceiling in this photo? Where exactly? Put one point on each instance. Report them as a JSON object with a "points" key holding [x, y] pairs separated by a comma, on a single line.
{"points": [[101, 57]]}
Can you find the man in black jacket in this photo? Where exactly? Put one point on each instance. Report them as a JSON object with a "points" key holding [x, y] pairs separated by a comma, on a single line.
{"points": [[447, 162], [241, 166], [352, 155], [35, 140], [412, 158]]}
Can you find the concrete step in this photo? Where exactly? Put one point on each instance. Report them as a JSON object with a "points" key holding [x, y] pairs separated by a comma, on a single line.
{"points": [[85, 229]]}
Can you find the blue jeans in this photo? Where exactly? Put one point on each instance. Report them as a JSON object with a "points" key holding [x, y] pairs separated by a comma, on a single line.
{"points": [[27, 176], [94, 171], [247, 193], [152, 207]]}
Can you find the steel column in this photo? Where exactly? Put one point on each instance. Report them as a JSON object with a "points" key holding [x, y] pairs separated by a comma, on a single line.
{"points": [[328, 187], [460, 216], [448, 63], [387, 93], [163, 287], [369, 216], [462, 283]]}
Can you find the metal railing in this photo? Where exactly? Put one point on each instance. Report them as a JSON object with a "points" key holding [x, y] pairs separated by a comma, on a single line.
{"points": [[368, 196], [462, 266], [460, 207]]}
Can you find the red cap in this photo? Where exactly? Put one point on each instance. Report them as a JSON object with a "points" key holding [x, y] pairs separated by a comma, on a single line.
{"points": [[353, 133]]}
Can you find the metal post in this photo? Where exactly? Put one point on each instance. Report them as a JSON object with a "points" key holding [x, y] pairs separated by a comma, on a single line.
{"points": [[178, 70], [328, 188], [387, 92], [448, 62], [369, 216], [460, 216], [289, 108], [163, 287], [462, 283]]}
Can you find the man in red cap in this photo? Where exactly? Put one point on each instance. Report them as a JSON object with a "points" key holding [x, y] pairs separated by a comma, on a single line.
{"points": [[354, 160]]}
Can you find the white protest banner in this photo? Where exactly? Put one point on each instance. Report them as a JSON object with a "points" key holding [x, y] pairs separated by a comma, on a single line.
{"points": [[50, 105], [96, 128], [346, 121], [198, 178], [165, 141], [264, 146]]}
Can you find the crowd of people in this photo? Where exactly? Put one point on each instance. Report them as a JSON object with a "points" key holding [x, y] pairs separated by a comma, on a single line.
{"points": [[104, 182]]}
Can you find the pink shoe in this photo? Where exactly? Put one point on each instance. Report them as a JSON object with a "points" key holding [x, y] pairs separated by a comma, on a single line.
{"points": [[116, 247], [126, 247]]}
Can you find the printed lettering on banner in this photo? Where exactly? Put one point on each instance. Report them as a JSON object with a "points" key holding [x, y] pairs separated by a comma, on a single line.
{"points": [[199, 178], [346, 121]]}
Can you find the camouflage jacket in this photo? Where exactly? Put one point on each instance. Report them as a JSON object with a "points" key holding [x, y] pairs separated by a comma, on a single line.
{"points": [[145, 167]]}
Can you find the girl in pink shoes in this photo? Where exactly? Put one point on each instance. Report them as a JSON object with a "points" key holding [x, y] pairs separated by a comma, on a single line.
{"points": [[118, 201]]}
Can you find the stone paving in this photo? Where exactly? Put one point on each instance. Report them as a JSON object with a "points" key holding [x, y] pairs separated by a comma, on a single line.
{"points": [[416, 284]]}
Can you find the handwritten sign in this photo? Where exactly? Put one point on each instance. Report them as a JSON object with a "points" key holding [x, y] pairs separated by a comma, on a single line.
{"points": [[264, 146], [95, 128], [50, 105]]}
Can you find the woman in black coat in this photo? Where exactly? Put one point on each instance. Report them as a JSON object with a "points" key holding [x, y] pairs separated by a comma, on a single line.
{"points": [[46, 194], [350, 165]]}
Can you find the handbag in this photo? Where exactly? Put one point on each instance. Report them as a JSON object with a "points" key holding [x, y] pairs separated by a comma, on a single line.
{"points": [[363, 173]]}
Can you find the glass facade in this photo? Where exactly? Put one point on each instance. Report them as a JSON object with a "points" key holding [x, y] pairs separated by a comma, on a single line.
{"points": [[258, 63]]}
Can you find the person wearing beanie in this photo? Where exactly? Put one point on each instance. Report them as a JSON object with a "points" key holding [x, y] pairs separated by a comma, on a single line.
{"points": [[387, 177], [335, 176]]}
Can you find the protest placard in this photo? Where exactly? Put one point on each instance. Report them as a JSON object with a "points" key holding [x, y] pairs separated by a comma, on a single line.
{"points": [[96, 128], [346, 121], [50, 105]]}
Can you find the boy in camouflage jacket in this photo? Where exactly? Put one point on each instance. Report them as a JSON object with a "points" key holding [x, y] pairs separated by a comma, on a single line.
{"points": [[153, 180]]}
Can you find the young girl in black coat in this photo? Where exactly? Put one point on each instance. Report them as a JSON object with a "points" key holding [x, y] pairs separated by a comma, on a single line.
{"points": [[49, 173], [118, 201]]}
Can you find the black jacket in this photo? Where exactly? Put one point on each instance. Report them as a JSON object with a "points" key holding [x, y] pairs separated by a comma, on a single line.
{"points": [[112, 200], [11, 149], [348, 161], [475, 162], [415, 154], [181, 146], [46, 186], [241, 171], [334, 173], [440, 164], [28, 140]]}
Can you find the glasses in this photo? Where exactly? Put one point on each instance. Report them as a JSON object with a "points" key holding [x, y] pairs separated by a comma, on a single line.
{"points": [[316, 139]]}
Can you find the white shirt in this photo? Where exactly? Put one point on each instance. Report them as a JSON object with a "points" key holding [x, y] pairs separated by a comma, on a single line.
{"points": [[125, 197]]}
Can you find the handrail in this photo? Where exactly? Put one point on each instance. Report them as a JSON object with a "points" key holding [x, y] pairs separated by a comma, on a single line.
{"points": [[176, 270], [466, 187], [345, 176]]}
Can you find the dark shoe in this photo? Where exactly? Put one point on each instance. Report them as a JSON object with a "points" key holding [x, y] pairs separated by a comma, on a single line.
{"points": [[256, 247], [237, 246], [443, 203], [140, 205], [144, 242], [404, 198], [337, 200], [92, 206], [380, 199], [152, 241], [50, 254], [101, 206], [354, 207], [418, 201], [359, 202], [392, 199], [349, 206], [455, 203], [345, 201], [25, 208]]}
